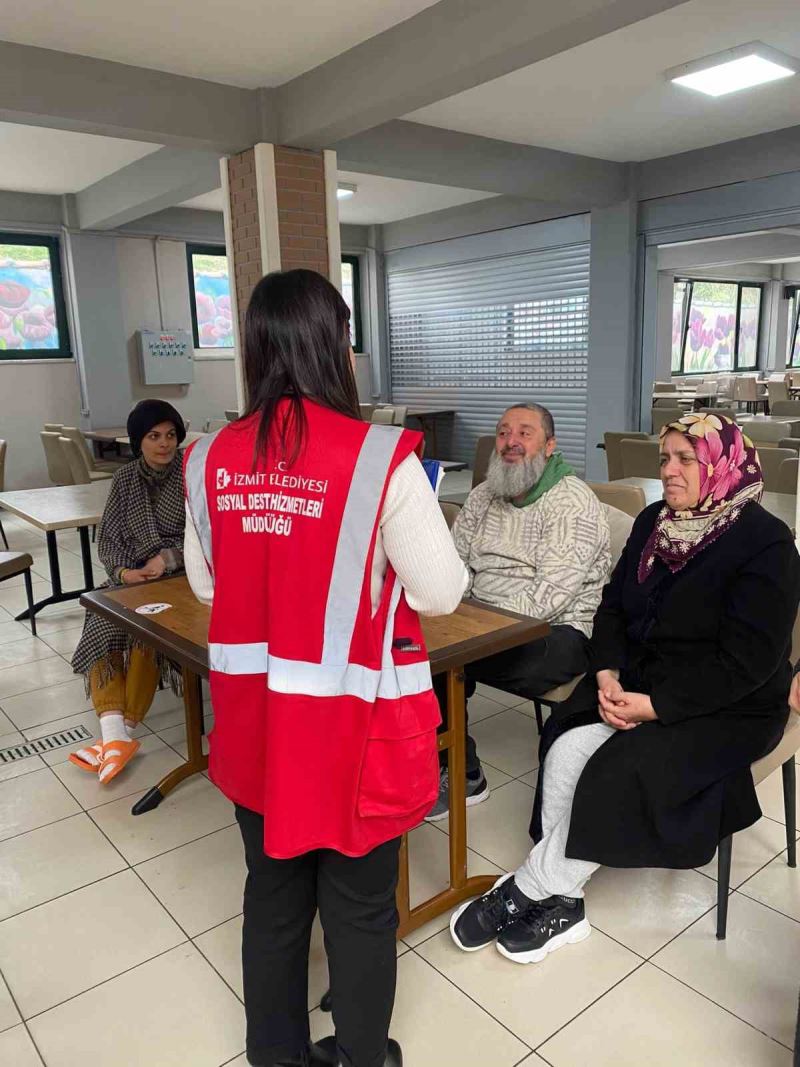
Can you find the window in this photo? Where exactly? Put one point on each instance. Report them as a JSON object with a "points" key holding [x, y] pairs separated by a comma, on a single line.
{"points": [[351, 291], [720, 325], [33, 317], [792, 292], [210, 296]]}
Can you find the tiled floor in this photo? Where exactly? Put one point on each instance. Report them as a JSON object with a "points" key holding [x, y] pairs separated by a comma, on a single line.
{"points": [[126, 930]]}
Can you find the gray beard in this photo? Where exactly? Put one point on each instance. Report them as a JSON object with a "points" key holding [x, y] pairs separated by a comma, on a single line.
{"points": [[510, 480]]}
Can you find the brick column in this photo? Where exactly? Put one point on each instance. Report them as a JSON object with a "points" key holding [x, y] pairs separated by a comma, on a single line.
{"points": [[280, 214]]}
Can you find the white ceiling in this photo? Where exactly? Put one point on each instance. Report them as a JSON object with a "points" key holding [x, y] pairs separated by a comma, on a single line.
{"points": [[608, 98], [377, 199], [248, 43], [40, 160]]}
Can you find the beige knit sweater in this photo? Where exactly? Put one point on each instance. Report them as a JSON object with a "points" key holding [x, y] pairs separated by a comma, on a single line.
{"points": [[549, 560]]}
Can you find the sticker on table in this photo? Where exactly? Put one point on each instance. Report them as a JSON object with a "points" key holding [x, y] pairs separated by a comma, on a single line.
{"points": [[152, 609]]}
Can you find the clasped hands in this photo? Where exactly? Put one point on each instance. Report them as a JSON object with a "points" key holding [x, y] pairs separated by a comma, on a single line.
{"points": [[618, 708], [154, 568]]}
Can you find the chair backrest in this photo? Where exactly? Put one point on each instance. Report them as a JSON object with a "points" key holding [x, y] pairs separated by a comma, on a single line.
{"points": [[215, 424], [611, 439], [763, 433], [3, 450], [231, 416], [54, 427], [787, 476], [771, 460], [710, 388], [627, 498], [790, 442], [745, 389], [450, 512], [662, 416], [58, 469], [620, 525], [76, 461], [777, 391], [383, 417], [484, 447], [75, 435], [785, 407], [366, 411], [719, 410], [639, 458], [400, 414], [665, 387]]}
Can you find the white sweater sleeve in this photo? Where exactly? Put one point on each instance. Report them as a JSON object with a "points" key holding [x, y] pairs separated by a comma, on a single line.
{"points": [[197, 571], [413, 536], [417, 543]]}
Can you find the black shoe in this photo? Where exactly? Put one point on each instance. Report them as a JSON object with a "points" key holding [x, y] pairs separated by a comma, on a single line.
{"points": [[547, 925], [478, 922], [311, 1056], [327, 1048]]}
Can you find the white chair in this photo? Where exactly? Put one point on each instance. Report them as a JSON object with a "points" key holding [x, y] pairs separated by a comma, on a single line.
{"points": [[383, 417], [212, 425], [94, 465], [76, 461], [58, 469]]}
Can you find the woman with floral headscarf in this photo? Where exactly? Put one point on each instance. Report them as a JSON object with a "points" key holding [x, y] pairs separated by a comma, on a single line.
{"points": [[648, 763]]}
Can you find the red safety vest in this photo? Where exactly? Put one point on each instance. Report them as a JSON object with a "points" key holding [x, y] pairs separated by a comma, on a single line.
{"points": [[325, 719]]}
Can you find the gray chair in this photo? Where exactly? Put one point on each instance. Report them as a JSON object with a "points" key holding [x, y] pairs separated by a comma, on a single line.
{"points": [[786, 407], [619, 525], [665, 387], [212, 425], [450, 512], [3, 450], [107, 467], [54, 427], [790, 442], [629, 499], [484, 447], [771, 460], [231, 416], [400, 414], [663, 416], [764, 434], [12, 564], [76, 461], [787, 476], [611, 440], [729, 412], [778, 392], [58, 469], [382, 417], [639, 458]]}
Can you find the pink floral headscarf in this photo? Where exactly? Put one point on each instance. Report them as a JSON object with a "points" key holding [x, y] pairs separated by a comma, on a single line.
{"points": [[730, 478]]}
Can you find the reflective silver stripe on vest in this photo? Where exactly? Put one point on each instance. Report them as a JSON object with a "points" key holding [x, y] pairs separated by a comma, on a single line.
{"points": [[319, 679], [196, 496], [355, 538]]}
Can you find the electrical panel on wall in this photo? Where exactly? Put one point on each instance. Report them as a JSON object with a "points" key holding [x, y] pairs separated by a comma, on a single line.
{"points": [[167, 357]]}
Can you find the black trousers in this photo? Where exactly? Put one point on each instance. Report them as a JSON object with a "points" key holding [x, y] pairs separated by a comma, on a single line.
{"points": [[356, 902], [528, 671]]}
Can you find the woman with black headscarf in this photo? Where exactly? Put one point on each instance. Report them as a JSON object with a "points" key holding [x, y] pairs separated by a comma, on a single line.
{"points": [[140, 538]]}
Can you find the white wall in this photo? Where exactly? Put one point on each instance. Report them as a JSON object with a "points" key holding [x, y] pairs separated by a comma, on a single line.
{"points": [[31, 394]]}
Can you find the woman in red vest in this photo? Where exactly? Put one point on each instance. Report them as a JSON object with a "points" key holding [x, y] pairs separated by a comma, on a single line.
{"points": [[318, 541]]}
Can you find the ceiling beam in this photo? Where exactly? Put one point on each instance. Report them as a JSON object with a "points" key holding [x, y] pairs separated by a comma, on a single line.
{"points": [[463, 160], [160, 180], [445, 49], [748, 248], [744, 159], [41, 87]]}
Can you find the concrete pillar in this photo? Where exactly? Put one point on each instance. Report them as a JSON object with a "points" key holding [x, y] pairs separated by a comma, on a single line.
{"points": [[281, 213], [613, 376]]}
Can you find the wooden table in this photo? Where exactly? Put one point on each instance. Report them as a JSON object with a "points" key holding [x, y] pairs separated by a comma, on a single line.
{"points": [[471, 633], [781, 505], [60, 507]]}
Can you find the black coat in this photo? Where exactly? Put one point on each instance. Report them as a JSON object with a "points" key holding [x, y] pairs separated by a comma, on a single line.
{"points": [[710, 645]]}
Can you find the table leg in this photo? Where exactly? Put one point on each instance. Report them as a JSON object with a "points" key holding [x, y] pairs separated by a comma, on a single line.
{"points": [[86, 557], [58, 596], [196, 762], [461, 887]]}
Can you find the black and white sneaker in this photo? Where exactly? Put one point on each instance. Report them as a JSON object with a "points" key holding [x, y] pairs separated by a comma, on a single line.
{"points": [[477, 791], [478, 922], [547, 925]]}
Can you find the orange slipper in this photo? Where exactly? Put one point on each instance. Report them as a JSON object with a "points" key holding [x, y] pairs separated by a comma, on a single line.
{"points": [[116, 755], [88, 759]]}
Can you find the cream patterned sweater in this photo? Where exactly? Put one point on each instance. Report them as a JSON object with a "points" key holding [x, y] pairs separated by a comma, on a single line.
{"points": [[549, 560]]}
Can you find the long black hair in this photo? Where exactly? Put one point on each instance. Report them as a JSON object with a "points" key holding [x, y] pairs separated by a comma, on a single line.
{"points": [[296, 346]]}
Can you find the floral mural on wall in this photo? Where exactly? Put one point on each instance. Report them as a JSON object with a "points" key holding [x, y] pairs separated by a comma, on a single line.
{"points": [[27, 305], [710, 330], [212, 296]]}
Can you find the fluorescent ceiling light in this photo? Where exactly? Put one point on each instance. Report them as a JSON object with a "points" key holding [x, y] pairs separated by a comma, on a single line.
{"points": [[734, 69], [344, 190]]}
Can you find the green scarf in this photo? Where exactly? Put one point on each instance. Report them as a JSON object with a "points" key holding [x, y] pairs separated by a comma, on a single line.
{"points": [[555, 469]]}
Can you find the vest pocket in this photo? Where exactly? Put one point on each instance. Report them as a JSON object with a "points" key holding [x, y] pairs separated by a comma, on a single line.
{"points": [[400, 770]]}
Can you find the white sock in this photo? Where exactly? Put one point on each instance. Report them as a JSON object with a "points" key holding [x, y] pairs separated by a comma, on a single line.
{"points": [[112, 727], [130, 727]]}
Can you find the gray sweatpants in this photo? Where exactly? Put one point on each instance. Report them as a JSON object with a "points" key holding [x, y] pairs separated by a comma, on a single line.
{"points": [[547, 871]]}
